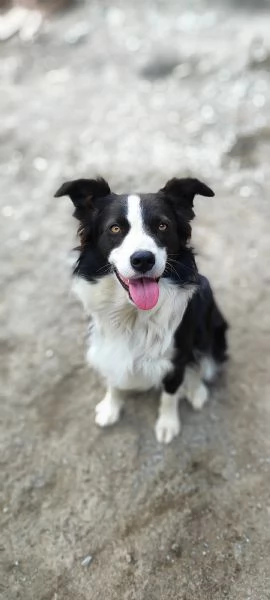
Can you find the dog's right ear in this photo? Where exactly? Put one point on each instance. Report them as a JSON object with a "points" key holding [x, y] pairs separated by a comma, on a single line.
{"points": [[83, 192]]}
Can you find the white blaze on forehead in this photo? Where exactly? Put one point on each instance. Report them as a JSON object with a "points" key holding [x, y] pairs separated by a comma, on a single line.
{"points": [[136, 239], [134, 212]]}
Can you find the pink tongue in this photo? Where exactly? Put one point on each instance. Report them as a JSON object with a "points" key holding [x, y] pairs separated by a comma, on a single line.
{"points": [[144, 292]]}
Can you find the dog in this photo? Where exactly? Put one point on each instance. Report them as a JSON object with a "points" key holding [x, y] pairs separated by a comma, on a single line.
{"points": [[154, 319]]}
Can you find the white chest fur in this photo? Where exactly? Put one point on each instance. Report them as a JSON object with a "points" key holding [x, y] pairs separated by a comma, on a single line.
{"points": [[132, 349]]}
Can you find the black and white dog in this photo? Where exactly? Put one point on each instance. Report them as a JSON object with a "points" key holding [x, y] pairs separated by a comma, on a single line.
{"points": [[155, 323]]}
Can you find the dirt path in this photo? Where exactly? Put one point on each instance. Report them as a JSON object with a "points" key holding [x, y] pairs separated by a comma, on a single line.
{"points": [[136, 92]]}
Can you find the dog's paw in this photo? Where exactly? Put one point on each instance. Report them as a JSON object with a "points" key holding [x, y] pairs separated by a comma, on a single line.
{"points": [[107, 412], [167, 428], [200, 397], [209, 369]]}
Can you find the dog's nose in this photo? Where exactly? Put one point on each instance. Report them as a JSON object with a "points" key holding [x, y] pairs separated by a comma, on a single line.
{"points": [[142, 261]]}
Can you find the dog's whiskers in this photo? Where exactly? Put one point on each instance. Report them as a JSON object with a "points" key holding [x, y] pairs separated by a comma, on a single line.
{"points": [[178, 262], [106, 269], [173, 269]]}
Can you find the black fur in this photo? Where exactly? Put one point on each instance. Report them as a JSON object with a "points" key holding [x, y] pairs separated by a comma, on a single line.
{"points": [[202, 332]]}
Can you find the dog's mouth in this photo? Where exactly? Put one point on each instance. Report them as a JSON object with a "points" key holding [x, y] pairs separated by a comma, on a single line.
{"points": [[143, 291]]}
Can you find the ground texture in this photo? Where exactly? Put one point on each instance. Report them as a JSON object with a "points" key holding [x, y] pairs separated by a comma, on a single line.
{"points": [[136, 92]]}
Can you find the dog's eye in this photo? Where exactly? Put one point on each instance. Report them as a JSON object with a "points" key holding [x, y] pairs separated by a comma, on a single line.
{"points": [[163, 226], [115, 228]]}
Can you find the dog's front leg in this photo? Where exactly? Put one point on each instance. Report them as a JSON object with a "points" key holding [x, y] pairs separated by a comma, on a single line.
{"points": [[168, 424], [109, 409]]}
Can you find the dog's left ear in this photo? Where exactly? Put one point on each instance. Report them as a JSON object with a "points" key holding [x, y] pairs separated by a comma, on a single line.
{"points": [[83, 192], [184, 191]]}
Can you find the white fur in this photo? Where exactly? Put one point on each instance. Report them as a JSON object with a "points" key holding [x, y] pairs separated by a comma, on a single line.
{"points": [[137, 239], [131, 349], [194, 389], [168, 424], [209, 369], [109, 409]]}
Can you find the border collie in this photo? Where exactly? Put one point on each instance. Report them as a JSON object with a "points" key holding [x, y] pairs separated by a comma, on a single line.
{"points": [[154, 320]]}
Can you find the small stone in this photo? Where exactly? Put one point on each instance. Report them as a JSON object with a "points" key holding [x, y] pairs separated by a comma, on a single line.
{"points": [[86, 561], [31, 26], [5, 509], [259, 54], [7, 211], [245, 191], [160, 67], [40, 164], [208, 114], [12, 21], [56, 76], [133, 43], [176, 549], [183, 70], [77, 33], [259, 100], [129, 558], [115, 17], [49, 353], [24, 236]]}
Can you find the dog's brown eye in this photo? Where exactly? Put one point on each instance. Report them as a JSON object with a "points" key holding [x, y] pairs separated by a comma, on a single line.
{"points": [[163, 226], [115, 228]]}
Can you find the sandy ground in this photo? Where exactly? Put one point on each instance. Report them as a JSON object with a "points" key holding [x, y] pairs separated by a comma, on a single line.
{"points": [[136, 92]]}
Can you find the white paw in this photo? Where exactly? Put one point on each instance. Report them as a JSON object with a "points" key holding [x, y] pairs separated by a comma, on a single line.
{"points": [[167, 428], [209, 369], [200, 397], [107, 412]]}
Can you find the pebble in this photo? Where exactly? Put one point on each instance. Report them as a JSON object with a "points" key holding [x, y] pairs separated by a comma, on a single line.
{"points": [[245, 191], [7, 211], [40, 163], [77, 33], [129, 558], [24, 235], [159, 67], [86, 561], [115, 17]]}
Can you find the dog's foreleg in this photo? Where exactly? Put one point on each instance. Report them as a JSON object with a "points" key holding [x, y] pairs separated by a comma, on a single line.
{"points": [[109, 409], [168, 424], [195, 389]]}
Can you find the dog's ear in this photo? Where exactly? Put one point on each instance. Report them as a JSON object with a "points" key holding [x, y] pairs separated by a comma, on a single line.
{"points": [[83, 192], [183, 190]]}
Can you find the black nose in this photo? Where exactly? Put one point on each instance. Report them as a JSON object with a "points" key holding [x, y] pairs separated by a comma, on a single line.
{"points": [[142, 260]]}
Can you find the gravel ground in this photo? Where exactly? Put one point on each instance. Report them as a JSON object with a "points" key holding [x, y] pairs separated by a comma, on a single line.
{"points": [[136, 92]]}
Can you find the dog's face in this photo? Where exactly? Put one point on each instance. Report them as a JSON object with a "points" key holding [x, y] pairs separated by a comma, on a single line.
{"points": [[138, 237]]}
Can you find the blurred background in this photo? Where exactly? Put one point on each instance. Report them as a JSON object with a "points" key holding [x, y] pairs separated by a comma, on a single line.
{"points": [[137, 92]]}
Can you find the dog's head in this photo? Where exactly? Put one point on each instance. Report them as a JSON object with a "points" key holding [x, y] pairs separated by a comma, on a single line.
{"points": [[138, 237]]}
